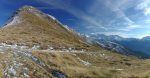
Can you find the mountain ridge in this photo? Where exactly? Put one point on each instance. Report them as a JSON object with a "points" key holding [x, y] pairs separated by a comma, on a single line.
{"points": [[31, 26], [127, 46]]}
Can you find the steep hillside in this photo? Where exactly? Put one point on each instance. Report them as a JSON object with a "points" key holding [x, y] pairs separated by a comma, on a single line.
{"points": [[36, 45], [32, 27]]}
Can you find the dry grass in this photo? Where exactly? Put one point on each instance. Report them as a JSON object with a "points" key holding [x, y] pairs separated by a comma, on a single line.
{"points": [[118, 67], [40, 29]]}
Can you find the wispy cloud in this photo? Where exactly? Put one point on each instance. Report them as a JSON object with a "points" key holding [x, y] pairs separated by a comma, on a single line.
{"points": [[45, 8], [110, 16], [65, 5], [116, 7], [119, 7], [130, 27]]}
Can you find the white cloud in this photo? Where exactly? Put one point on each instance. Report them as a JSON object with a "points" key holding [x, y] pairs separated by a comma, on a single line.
{"points": [[145, 6], [141, 36], [147, 11]]}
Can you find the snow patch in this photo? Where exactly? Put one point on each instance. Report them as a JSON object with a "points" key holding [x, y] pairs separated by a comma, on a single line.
{"points": [[12, 70], [119, 69], [51, 17], [66, 27], [14, 21], [26, 75], [35, 47], [84, 62]]}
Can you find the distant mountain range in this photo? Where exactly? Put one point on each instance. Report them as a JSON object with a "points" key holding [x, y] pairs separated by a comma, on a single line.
{"points": [[128, 46]]}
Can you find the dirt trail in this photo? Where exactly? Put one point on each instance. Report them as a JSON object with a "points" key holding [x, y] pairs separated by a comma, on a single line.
{"points": [[20, 58]]}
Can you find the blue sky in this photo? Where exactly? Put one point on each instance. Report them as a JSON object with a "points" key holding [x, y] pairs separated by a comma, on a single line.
{"points": [[127, 18]]}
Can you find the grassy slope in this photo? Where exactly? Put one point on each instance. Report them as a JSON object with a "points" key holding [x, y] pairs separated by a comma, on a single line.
{"points": [[104, 64], [41, 29]]}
